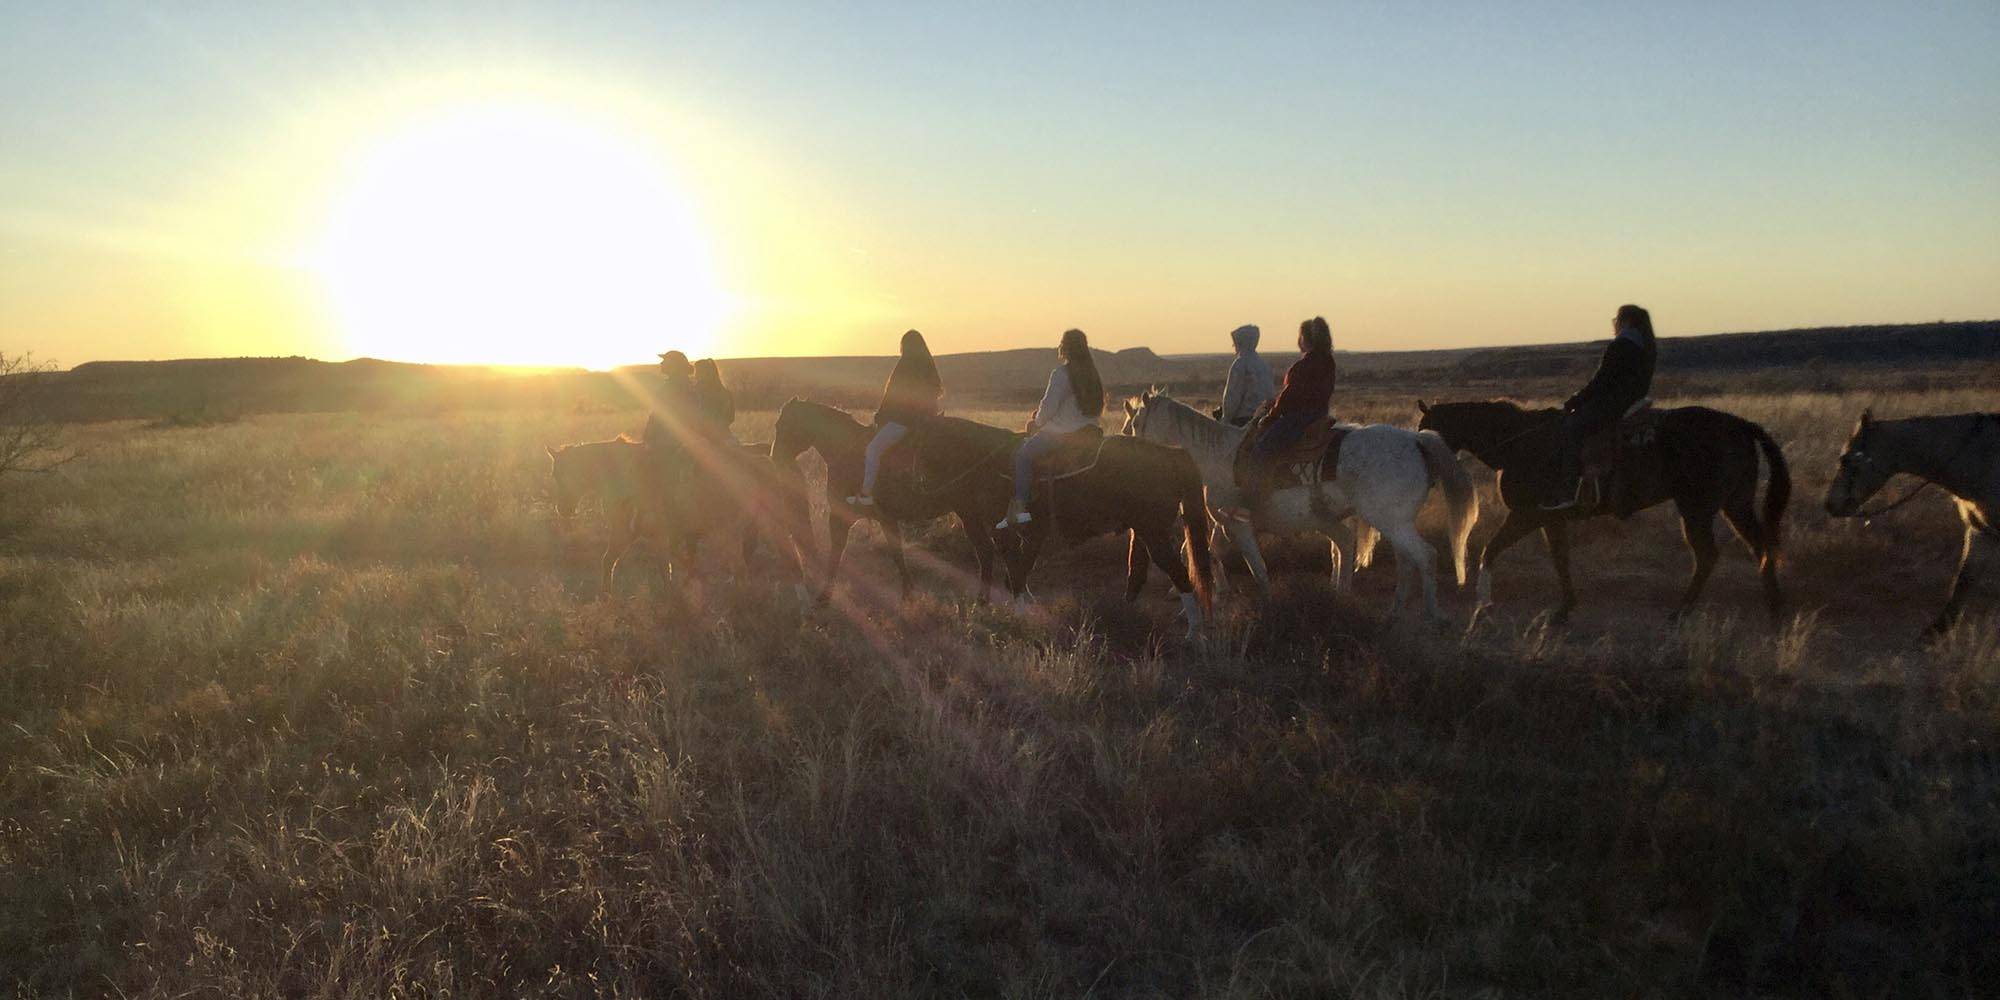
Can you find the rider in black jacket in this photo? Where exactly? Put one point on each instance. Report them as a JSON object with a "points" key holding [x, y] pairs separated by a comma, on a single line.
{"points": [[1624, 377]]}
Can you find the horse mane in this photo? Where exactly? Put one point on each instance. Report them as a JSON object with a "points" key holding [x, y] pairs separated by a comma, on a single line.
{"points": [[1209, 432]]}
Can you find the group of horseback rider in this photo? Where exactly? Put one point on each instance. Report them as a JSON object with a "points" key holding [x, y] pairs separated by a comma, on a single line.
{"points": [[693, 404]]}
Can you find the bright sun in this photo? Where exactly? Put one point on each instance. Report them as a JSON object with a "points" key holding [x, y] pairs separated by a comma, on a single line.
{"points": [[520, 235]]}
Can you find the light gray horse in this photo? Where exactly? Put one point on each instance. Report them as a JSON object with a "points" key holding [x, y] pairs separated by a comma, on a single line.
{"points": [[1960, 453], [1383, 476]]}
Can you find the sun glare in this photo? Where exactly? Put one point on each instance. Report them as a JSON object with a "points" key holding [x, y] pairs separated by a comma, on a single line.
{"points": [[517, 235]]}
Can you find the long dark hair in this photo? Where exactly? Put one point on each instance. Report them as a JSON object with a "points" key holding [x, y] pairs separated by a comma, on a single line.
{"points": [[1083, 377], [708, 374], [916, 361], [1634, 316], [1317, 335]]}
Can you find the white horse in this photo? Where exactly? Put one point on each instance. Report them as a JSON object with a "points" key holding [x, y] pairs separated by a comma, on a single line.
{"points": [[1383, 476]]}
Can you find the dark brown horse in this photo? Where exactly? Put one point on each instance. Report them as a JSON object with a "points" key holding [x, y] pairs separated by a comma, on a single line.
{"points": [[840, 441], [1125, 485], [1706, 463]]}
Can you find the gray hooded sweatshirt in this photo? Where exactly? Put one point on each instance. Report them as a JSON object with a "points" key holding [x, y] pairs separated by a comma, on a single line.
{"points": [[1250, 383]]}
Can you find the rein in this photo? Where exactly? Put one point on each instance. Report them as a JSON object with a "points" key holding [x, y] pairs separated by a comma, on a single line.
{"points": [[932, 494]]}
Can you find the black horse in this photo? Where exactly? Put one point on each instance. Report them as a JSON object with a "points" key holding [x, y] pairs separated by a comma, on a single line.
{"points": [[1119, 484], [840, 441], [1704, 460]]}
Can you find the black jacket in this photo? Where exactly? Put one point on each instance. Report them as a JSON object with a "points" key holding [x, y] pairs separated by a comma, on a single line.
{"points": [[912, 394], [1624, 377]]}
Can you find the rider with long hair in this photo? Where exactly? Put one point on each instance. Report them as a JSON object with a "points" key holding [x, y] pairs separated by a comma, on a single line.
{"points": [[1624, 376], [913, 393], [712, 399], [1073, 401], [1307, 392]]}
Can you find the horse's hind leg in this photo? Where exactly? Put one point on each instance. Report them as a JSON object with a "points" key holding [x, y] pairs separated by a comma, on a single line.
{"points": [[982, 553], [1698, 527], [1137, 555], [1414, 556], [1742, 517]]}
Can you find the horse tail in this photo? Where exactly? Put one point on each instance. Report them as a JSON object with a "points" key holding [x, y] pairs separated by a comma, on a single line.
{"points": [[1194, 522], [1461, 499], [1777, 493]]}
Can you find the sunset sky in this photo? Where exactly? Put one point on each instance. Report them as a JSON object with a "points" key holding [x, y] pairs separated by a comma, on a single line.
{"points": [[593, 183]]}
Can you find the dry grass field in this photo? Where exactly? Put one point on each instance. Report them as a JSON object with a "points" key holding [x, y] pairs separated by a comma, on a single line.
{"points": [[325, 705]]}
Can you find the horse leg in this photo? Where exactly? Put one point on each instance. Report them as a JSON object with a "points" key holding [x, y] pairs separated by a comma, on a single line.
{"points": [[892, 532], [981, 538], [1031, 538], [620, 523], [1978, 549], [1698, 527], [1512, 530], [1160, 543], [1137, 555], [1414, 556], [1742, 518], [837, 528], [1245, 536], [1556, 535]]}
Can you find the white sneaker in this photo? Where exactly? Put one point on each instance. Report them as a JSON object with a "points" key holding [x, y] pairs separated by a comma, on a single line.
{"points": [[861, 501], [1014, 519]]}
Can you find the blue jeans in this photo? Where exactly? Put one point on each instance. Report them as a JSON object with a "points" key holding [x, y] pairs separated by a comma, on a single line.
{"points": [[1038, 445], [879, 445], [1281, 434]]}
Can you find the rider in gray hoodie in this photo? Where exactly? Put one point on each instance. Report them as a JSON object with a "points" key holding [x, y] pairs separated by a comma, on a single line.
{"points": [[1250, 384]]}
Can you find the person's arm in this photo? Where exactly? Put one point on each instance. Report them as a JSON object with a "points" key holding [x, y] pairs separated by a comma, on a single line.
{"points": [[1619, 365], [1051, 398], [1233, 388]]}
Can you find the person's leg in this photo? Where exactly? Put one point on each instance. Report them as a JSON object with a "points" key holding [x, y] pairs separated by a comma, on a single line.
{"points": [[1031, 451], [871, 463], [1569, 462]]}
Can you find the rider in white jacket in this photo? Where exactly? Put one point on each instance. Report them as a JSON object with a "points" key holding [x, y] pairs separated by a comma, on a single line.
{"points": [[1250, 384]]}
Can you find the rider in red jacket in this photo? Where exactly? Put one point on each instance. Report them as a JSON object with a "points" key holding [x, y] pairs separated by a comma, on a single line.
{"points": [[1303, 400]]}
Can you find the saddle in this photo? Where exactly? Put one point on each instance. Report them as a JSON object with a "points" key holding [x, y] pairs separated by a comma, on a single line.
{"points": [[1076, 452], [1307, 461], [1620, 462]]}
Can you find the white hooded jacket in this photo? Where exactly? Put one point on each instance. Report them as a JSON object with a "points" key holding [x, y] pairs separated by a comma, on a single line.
{"points": [[1250, 384]]}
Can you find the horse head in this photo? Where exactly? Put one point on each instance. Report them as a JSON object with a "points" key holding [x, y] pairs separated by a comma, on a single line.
{"points": [[1860, 473]]}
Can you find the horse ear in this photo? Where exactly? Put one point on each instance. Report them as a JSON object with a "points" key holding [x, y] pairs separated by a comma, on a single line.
{"points": [[1131, 408], [1423, 407], [1867, 414], [551, 449]]}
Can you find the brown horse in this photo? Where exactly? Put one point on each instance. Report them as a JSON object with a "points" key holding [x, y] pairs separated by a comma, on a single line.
{"points": [[1127, 485], [1960, 453], [673, 500], [1706, 463], [840, 441]]}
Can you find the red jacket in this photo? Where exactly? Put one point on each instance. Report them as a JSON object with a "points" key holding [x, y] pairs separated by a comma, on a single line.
{"points": [[1308, 387]]}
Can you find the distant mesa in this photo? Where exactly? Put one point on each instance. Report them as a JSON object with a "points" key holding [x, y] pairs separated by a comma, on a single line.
{"points": [[154, 390]]}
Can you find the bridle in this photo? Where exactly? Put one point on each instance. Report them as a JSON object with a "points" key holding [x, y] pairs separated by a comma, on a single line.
{"points": [[1860, 457]]}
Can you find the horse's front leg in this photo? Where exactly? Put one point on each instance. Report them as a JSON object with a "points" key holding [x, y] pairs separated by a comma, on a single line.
{"points": [[892, 531], [838, 525], [1243, 535], [1512, 530], [1979, 549], [1556, 534]]}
